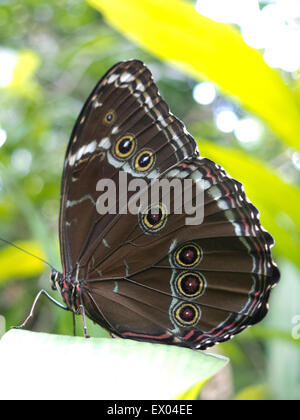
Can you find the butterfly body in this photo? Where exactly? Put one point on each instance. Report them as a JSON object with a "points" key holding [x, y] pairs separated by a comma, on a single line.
{"points": [[150, 276]]}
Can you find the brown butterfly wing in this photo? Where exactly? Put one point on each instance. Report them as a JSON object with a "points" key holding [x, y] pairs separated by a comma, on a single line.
{"points": [[125, 102], [144, 292], [133, 282]]}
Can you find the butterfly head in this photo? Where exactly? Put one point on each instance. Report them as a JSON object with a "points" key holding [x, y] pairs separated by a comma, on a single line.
{"points": [[67, 288], [55, 277]]}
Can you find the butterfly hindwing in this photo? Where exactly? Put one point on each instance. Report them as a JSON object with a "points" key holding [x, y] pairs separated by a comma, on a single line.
{"points": [[225, 291]]}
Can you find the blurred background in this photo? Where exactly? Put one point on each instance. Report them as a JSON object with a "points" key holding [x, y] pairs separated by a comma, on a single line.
{"points": [[229, 69]]}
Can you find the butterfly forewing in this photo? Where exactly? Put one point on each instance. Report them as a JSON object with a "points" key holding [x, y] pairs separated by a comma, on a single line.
{"points": [[125, 102]]}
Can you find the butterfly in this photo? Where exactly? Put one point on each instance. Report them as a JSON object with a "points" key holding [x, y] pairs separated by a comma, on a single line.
{"points": [[150, 276]]}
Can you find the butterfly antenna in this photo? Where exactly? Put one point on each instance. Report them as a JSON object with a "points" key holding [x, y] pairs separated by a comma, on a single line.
{"points": [[27, 252]]}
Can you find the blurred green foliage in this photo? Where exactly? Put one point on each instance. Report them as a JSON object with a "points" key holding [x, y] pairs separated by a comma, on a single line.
{"points": [[60, 50]]}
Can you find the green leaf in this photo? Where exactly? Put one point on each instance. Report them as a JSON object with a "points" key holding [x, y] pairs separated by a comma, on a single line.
{"points": [[15, 263], [173, 30], [277, 201], [282, 357], [263, 332], [192, 393], [23, 82], [253, 393], [2, 325], [32, 217], [32, 366]]}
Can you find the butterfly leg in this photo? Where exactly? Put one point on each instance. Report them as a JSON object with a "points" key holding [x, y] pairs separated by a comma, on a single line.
{"points": [[74, 324], [30, 316], [82, 311]]}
